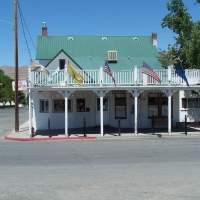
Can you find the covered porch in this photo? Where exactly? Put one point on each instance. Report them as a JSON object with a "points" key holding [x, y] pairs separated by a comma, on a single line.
{"points": [[128, 114]]}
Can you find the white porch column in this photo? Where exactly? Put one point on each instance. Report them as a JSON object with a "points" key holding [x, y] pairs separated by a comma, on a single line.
{"points": [[169, 112], [169, 94], [180, 103], [30, 113], [101, 94], [66, 95], [101, 111], [136, 94], [66, 114], [135, 110]]}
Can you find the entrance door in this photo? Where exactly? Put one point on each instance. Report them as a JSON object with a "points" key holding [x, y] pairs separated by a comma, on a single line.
{"points": [[105, 112]]}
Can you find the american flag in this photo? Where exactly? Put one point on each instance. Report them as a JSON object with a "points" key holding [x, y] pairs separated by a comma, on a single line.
{"points": [[108, 71], [36, 67], [150, 72]]}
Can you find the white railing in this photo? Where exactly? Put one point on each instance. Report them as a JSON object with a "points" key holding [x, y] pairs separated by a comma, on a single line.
{"points": [[122, 78]]}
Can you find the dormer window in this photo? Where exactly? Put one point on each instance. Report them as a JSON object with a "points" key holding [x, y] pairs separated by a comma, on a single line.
{"points": [[61, 64], [70, 38]]}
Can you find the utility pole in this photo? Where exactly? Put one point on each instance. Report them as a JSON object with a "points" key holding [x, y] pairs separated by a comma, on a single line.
{"points": [[16, 67]]}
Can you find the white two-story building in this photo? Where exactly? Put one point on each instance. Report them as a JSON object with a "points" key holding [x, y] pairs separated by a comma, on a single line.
{"points": [[135, 98]]}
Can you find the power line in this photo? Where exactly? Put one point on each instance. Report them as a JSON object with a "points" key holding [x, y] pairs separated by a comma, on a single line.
{"points": [[24, 32], [24, 23]]}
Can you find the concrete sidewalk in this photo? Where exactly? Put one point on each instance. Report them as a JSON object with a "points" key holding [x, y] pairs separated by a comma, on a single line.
{"points": [[93, 133]]}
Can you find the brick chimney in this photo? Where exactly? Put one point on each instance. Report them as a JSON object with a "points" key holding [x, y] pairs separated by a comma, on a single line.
{"points": [[44, 29], [154, 39]]}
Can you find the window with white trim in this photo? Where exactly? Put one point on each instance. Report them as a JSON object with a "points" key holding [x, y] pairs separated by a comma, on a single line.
{"points": [[80, 105], [44, 105], [59, 105], [157, 105], [62, 64], [120, 106], [190, 103]]}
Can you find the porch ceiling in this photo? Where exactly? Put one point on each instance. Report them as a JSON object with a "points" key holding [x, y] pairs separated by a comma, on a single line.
{"points": [[108, 88]]}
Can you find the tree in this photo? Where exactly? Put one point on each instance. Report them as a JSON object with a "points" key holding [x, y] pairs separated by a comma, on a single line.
{"points": [[2, 94], [191, 49], [6, 93], [180, 22], [22, 97], [166, 57]]}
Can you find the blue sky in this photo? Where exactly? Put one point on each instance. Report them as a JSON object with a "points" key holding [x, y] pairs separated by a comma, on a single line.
{"points": [[84, 17]]}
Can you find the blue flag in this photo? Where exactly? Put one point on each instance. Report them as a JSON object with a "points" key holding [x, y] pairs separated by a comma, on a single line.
{"points": [[181, 73]]}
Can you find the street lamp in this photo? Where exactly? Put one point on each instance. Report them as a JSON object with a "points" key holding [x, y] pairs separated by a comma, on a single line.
{"points": [[6, 22], [16, 64]]}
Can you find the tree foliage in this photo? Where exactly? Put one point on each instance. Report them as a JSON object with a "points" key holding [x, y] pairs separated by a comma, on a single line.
{"points": [[21, 98], [166, 57], [186, 48], [6, 92]]}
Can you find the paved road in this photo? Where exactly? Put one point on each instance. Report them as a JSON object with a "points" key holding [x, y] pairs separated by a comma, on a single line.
{"points": [[160, 168], [7, 119]]}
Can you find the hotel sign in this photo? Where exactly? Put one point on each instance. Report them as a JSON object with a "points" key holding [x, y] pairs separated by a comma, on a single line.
{"points": [[22, 85]]}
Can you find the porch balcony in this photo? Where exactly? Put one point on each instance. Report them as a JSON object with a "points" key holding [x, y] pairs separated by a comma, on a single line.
{"points": [[96, 78]]}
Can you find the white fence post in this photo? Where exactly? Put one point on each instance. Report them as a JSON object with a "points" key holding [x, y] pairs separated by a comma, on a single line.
{"points": [[169, 71], [101, 75], [65, 75], [135, 74]]}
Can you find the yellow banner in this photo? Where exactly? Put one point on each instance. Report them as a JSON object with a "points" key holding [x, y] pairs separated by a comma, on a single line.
{"points": [[75, 75]]}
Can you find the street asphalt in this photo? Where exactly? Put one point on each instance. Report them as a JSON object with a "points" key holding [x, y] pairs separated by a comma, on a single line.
{"points": [[144, 166], [7, 119], [150, 168]]}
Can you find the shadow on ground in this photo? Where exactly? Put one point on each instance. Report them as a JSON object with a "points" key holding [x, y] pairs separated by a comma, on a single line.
{"points": [[111, 131]]}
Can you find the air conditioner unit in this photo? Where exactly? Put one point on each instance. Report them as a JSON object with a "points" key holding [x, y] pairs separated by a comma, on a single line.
{"points": [[112, 55]]}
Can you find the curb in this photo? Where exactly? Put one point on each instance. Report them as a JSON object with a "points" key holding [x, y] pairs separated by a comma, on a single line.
{"points": [[7, 137]]}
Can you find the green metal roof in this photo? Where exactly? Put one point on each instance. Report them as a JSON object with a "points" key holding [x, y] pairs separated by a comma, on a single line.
{"points": [[89, 52]]}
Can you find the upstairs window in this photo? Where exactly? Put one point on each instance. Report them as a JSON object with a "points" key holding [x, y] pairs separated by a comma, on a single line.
{"points": [[62, 64]]}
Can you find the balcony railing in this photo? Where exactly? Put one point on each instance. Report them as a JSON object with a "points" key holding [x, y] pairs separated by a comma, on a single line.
{"points": [[123, 78]]}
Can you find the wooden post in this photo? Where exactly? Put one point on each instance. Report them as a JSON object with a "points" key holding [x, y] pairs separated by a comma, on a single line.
{"points": [[16, 67]]}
